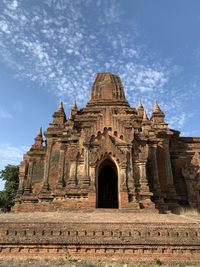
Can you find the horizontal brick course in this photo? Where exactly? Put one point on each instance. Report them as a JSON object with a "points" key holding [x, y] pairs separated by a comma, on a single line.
{"points": [[128, 240]]}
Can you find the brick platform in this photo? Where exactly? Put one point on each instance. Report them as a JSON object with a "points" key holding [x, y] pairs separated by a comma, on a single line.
{"points": [[100, 234]]}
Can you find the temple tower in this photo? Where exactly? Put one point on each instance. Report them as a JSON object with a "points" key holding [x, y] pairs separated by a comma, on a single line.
{"points": [[106, 155]]}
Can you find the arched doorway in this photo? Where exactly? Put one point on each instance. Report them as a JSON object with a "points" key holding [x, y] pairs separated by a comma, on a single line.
{"points": [[107, 195]]}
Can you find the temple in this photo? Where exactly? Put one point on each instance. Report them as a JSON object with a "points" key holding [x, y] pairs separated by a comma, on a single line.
{"points": [[109, 155]]}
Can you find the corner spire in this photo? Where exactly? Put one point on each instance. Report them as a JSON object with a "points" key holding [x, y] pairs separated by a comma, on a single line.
{"points": [[140, 104], [157, 115], [60, 107], [38, 139], [74, 111], [59, 118], [145, 118], [75, 106], [140, 108], [156, 108], [39, 134]]}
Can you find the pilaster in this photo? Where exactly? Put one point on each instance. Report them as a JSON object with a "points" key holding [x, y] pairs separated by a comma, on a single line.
{"points": [[131, 181], [28, 187], [156, 183], [86, 179], [171, 192], [144, 192], [123, 177], [92, 176], [21, 185], [72, 181], [60, 183], [45, 187], [22, 175]]}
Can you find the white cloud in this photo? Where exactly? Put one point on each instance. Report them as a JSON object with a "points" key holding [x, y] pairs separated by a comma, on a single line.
{"points": [[111, 13], [10, 154], [4, 27], [12, 4], [66, 58], [63, 49], [190, 133], [178, 121]]}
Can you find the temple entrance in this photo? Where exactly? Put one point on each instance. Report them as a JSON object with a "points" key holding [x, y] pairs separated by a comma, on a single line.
{"points": [[107, 186]]}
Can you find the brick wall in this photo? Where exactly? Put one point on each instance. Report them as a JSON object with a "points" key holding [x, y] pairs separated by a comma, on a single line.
{"points": [[114, 241]]}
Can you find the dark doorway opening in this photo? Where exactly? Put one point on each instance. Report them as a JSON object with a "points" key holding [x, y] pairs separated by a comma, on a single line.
{"points": [[108, 186]]}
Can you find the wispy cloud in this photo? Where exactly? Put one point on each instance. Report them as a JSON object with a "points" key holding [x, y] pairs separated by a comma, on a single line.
{"points": [[179, 120], [59, 45], [190, 133], [13, 4], [58, 49], [10, 154]]}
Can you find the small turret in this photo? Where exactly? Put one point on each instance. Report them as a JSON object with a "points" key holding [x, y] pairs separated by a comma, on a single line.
{"points": [[146, 124], [75, 106], [157, 115], [140, 104], [156, 108], [59, 117], [38, 139], [140, 108], [145, 119], [73, 112], [60, 107]]}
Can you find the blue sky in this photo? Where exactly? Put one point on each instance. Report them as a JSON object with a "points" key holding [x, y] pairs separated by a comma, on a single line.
{"points": [[50, 50]]}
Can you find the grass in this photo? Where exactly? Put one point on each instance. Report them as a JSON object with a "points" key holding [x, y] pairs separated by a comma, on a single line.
{"points": [[189, 212], [84, 263]]}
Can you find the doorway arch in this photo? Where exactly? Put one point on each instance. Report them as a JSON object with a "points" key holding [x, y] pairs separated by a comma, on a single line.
{"points": [[107, 188]]}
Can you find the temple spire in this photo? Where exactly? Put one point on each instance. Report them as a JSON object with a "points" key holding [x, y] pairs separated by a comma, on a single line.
{"points": [[60, 107], [39, 134], [140, 104], [59, 118], [74, 111], [156, 108], [38, 139], [140, 108], [75, 106], [107, 90], [145, 118], [157, 115]]}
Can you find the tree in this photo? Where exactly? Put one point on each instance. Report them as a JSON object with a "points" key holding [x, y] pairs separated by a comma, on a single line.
{"points": [[10, 175]]}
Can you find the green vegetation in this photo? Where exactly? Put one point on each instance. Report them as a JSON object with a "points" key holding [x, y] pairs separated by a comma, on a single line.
{"points": [[158, 262], [11, 177]]}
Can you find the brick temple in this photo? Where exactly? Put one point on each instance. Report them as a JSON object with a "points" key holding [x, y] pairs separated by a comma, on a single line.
{"points": [[109, 155]]}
